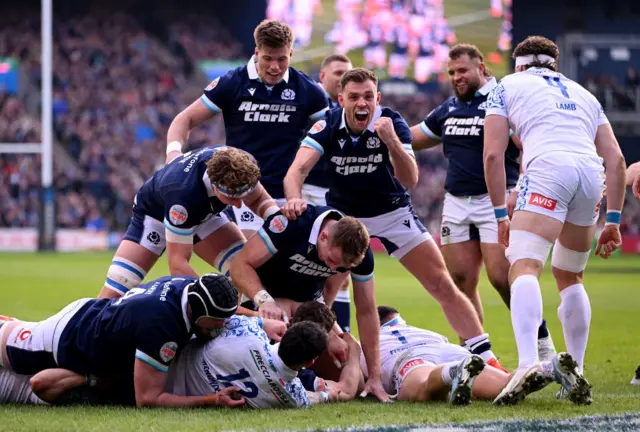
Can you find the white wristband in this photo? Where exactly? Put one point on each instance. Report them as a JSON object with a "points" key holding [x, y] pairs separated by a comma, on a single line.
{"points": [[269, 211], [261, 298], [174, 146]]}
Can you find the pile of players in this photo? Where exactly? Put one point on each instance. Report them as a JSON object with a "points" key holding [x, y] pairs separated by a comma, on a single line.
{"points": [[304, 206]]}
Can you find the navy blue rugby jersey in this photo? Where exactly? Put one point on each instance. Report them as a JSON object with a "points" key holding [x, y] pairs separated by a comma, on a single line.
{"points": [[180, 193], [318, 175], [295, 271], [149, 323], [266, 121], [361, 177], [460, 127]]}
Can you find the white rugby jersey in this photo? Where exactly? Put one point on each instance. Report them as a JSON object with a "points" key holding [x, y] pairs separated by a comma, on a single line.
{"points": [[548, 112], [240, 355], [16, 389], [395, 338]]}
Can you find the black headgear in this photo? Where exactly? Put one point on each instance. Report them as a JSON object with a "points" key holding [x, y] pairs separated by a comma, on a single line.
{"points": [[212, 296]]}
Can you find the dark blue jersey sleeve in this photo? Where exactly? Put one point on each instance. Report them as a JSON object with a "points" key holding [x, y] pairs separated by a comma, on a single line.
{"points": [[279, 233], [158, 341], [404, 133], [318, 136], [318, 103], [364, 271], [219, 93], [179, 216], [431, 126]]}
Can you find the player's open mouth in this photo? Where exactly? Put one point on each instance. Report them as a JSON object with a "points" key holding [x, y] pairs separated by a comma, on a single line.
{"points": [[361, 116], [461, 86]]}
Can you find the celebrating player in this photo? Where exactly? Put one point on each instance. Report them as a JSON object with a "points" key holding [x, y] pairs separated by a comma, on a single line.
{"points": [[316, 185], [266, 106], [558, 122], [469, 234], [179, 209], [371, 166], [130, 341]]}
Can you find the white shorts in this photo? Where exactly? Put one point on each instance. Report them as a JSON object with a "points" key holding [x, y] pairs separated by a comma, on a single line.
{"points": [[468, 218], [247, 220], [399, 231], [426, 355], [315, 195], [150, 233], [16, 389], [33, 346], [563, 186]]}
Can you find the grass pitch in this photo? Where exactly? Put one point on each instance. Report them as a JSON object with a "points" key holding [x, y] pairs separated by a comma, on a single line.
{"points": [[35, 286]]}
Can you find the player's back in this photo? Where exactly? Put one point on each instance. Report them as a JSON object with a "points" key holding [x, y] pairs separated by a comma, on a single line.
{"points": [[548, 112], [240, 355]]}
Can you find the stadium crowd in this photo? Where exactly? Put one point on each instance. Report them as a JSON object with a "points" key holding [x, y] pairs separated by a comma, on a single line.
{"points": [[116, 89]]}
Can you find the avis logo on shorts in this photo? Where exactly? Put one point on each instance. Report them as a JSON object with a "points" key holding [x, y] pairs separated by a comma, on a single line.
{"points": [[542, 201]]}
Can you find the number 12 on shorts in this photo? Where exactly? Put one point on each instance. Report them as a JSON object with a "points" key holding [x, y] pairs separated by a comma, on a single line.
{"points": [[555, 82]]}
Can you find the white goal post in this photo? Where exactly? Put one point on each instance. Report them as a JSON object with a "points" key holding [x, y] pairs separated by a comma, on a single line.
{"points": [[47, 216]]}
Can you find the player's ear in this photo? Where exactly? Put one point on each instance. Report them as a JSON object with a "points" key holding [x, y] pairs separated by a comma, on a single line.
{"points": [[340, 99], [379, 98], [290, 52], [256, 53]]}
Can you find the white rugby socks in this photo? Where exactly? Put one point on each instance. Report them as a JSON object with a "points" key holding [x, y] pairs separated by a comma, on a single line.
{"points": [[449, 370], [575, 315], [526, 316]]}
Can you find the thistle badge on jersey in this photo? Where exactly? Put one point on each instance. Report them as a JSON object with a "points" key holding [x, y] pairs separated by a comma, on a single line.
{"points": [[278, 224], [288, 94], [168, 351], [373, 143]]}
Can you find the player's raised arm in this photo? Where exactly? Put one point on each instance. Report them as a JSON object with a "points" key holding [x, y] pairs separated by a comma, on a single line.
{"points": [[181, 126], [398, 141], [609, 150]]}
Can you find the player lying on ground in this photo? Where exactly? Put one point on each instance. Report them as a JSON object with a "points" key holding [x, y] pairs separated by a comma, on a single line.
{"points": [[469, 232], [291, 261], [266, 107], [421, 365], [370, 166], [261, 375], [129, 342], [565, 137], [180, 208]]}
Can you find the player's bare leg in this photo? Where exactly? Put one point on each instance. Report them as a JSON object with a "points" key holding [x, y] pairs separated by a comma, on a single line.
{"points": [[129, 266], [464, 261], [220, 247], [457, 308]]}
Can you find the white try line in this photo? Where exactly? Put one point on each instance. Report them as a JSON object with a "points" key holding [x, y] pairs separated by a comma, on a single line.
{"points": [[17, 148]]}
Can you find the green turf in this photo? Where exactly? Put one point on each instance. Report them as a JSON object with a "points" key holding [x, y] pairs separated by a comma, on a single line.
{"points": [[34, 286]]}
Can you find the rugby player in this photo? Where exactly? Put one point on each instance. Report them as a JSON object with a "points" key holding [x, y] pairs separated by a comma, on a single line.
{"points": [[293, 261], [421, 365], [558, 122], [371, 166], [130, 341], [316, 186], [633, 179], [179, 209], [469, 232], [266, 106]]}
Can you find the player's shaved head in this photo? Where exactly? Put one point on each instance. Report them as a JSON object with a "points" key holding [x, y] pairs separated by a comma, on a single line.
{"points": [[302, 343], [352, 237], [316, 312], [273, 34], [233, 169], [536, 45]]}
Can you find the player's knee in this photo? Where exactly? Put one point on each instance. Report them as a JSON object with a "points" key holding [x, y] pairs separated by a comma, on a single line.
{"points": [[226, 256], [443, 288], [465, 281], [123, 275], [525, 245]]}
